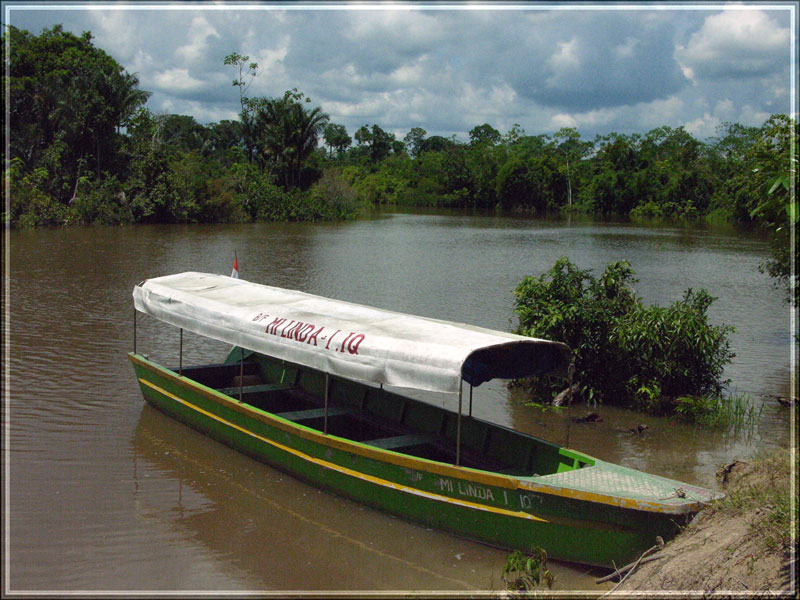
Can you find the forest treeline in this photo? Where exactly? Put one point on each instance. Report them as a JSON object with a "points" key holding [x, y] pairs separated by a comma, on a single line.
{"points": [[84, 149]]}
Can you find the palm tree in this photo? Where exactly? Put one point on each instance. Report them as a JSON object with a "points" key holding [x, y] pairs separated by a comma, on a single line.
{"points": [[288, 134]]}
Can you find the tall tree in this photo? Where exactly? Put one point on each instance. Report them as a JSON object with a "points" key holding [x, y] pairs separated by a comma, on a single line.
{"points": [[414, 139], [288, 134], [67, 103], [569, 144], [246, 73], [336, 138], [484, 134]]}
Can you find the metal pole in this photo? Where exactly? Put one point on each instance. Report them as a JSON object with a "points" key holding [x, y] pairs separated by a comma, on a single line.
{"points": [[134, 331], [327, 389], [180, 363], [470, 400], [569, 406], [241, 371], [458, 427]]}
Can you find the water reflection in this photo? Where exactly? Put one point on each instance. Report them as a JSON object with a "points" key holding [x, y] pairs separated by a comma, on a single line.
{"points": [[287, 535]]}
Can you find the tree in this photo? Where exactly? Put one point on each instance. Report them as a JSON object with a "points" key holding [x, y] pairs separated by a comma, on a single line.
{"points": [[183, 133], [625, 352], [773, 202], [484, 134], [67, 104], [375, 142], [224, 141], [288, 134], [336, 138], [435, 143], [414, 139], [568, 141], [246, 74], [382, 143]]}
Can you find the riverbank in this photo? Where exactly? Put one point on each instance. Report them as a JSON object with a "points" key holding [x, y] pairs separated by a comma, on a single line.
{"points": [[741, 544]]}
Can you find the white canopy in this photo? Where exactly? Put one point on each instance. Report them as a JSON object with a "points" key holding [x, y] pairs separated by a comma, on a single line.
{"points": [[345, 339]]}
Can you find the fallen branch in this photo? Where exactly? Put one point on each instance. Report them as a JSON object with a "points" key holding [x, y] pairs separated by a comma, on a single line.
{"points": [[631, 569], [563, 394], [625, 569]]}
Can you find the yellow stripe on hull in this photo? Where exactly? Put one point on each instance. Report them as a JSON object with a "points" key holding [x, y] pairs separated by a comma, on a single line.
{"points": [[345, 470]]}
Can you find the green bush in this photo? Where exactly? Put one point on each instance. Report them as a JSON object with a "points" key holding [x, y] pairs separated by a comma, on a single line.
{"points": [[29, 205], [103, 201], [332, 197], [625, 353], [527, 571]]}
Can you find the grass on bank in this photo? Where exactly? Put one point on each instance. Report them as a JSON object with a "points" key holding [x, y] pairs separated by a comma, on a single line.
{"points": [[719, 411], [763, 488]]}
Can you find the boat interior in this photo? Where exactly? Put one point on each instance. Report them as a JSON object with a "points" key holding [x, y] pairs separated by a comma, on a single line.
{"points": [[381, 418]]}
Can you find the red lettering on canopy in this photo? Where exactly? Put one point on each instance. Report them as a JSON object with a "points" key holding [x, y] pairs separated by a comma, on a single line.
{"points": [[309, 333], [272, 328], [353, 345], [302, 334], [314, 335]]}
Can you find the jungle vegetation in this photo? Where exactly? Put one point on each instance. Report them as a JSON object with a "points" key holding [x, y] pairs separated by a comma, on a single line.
{"points": [[85, 149]]}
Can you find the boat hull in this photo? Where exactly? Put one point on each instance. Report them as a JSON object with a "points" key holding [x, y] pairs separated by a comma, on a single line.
{"points": [[496, 509]]}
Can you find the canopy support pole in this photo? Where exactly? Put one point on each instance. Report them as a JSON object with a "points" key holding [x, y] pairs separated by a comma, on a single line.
{"points": [[458, 426], [180, 359], [570, 371], [134, 331], [327, 393], [241, 371]]}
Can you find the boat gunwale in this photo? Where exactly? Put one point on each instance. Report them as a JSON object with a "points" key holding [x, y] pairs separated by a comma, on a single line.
{"points": [[524, 485]]}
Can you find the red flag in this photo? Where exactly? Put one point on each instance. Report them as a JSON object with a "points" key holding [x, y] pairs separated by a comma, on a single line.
{"points": [[235, 272]]}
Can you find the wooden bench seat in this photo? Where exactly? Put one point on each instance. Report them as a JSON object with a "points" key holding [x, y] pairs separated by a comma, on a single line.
{"points": [[313, 413], [403, 441], [233, 392]]}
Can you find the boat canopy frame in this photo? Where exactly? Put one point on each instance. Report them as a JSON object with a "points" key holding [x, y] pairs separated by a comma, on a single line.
{"points": [[346, 339], [349, 340]]}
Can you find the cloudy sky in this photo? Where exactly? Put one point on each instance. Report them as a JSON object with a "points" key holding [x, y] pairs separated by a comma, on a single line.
{"points": [[447, 68]]}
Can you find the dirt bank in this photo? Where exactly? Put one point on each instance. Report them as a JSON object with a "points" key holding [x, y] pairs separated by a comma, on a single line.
{"points": [[742, 544]]}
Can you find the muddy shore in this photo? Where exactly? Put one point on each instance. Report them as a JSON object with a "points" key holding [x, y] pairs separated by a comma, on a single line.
{"points": [[742, 546]]}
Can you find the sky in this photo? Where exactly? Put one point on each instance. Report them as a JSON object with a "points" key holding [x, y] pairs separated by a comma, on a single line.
{"points": [[446, 68]]}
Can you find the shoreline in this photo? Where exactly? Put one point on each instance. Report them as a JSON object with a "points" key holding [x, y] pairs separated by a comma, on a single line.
{"points": [[743, 545]]}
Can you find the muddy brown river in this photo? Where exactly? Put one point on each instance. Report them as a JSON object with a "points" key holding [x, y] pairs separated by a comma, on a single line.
{"points": [[105, 494]]}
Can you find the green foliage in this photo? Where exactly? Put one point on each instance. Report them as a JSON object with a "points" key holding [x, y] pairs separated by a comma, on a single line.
{"points": [[484, 134], [288, 134], [525, 572], [77, 120], [773, 200], [336, 138], [625, 352], [29, 205], [67, 103], [332, 197]]}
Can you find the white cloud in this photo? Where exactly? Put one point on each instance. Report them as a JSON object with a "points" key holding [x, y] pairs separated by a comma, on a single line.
{"points": [[450, 70], [702, 127], [561, 120], [735, 43], [198, 34], [178, 80]]}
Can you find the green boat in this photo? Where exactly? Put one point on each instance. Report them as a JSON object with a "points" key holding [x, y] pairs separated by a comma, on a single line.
{"points": [[303, 390]]}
